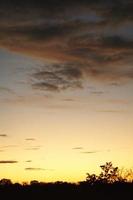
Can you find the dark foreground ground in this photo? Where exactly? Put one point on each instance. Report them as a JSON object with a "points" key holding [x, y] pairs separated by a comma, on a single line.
{"points": [[62, 191]]}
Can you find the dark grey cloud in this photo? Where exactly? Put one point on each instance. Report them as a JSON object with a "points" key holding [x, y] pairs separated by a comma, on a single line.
{"points": [[57, 77], [33, 169], [83, 40], [45, 86], [8, 161], [121, 10], [114, 9], [23, 14], [72, 75], [116, 41]]}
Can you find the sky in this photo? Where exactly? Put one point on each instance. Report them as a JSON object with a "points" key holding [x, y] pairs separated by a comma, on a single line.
{"points": [[66, 88]]}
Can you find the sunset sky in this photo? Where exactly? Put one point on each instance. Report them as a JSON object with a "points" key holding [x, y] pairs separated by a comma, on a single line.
{"points": [[66, 88]]}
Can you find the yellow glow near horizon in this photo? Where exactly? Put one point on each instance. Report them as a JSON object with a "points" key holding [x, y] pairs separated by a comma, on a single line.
{"points": [[100, 125], [56, 138]]}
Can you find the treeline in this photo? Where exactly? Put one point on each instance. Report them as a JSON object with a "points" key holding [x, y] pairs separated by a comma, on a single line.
{"points": [[109, 184]]}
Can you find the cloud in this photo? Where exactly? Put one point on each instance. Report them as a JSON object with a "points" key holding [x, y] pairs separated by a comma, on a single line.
{"points": [[62, 76], [9, 146], [28, 161], [34, 169], [6, 90], [5, 147], [115, 84], [112, 111], [28, 100], [30, 139], [32, 148], [77, 148], [112, 10], [93, 152], [88, 40], [45, 86], [8, 161], [97, 92], [118, 101], [89, 152], [116, 41], [69, 100], [3, 135]]}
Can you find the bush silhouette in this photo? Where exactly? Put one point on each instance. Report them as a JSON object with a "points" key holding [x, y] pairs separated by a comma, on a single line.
{"points": [[92, 178], [5, 182], [109, 174]]}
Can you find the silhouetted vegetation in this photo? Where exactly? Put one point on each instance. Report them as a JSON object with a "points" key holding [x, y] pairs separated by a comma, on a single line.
{"points": [[108, 175], [110, 184]]}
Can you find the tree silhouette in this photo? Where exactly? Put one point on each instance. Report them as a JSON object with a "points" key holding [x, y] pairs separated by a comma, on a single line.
{"points": [[109, 174], [92, 178], [5, 181], [34, 182]]}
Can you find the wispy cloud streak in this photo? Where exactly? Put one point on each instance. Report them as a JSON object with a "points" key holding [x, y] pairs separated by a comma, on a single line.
{"points": [[8, 161]]}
